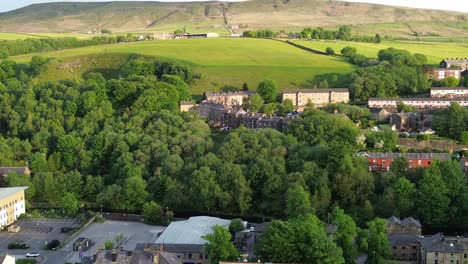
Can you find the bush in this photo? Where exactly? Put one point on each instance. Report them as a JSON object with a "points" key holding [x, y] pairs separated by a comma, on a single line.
{"points": [[53, 244], [236, 226], [330, 51], [348, 51], [108, 245]]}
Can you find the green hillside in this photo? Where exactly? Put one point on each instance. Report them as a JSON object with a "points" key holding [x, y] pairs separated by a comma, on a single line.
{"points": [[434, 52], [219, 61], [219, 17]]}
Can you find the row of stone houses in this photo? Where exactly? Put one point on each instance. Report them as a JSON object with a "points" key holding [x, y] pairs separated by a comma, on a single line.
{"points": [[317, 97], [450, 67], [407, 244], [417, 103], [448, 92]]}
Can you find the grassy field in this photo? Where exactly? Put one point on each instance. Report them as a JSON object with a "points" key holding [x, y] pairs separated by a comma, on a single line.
{"points": [[15, 36], [220, 61], [435, 52]]}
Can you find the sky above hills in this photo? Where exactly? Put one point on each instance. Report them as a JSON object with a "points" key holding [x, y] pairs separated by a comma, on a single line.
{"points": [[455, 5]]}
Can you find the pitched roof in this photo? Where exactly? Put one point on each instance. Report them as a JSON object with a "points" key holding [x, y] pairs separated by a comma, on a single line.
{"points": [[438, 243], [402, 239], [388, 155], [186, 103], [19, 170], [419, 99], [6, 192], [410, 221], [337, 90], [393, 220], [447, 88], [245, 93]]}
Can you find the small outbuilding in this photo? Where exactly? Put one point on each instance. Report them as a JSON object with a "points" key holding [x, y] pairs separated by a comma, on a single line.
{"points": [[82, 244]]}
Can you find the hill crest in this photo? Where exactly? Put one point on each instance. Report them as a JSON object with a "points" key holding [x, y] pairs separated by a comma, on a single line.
{"points": [[211, 16]]}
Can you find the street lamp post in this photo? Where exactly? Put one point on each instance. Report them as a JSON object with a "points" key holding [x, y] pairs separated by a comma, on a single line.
{"points": [[101, 209]]}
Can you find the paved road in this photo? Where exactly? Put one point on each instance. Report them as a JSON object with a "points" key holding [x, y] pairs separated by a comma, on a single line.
{"points": [[46, 257]]}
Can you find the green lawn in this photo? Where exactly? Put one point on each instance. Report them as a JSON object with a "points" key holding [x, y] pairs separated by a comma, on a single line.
{"points": [[220, 61], [15, 36], [435, 52]]}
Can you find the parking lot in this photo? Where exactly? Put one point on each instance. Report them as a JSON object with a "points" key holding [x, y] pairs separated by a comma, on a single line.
{"points": [[133, 233], [36, 232]]}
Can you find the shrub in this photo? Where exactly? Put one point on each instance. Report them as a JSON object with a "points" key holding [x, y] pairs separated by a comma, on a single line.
{"points": [[330, 51]]}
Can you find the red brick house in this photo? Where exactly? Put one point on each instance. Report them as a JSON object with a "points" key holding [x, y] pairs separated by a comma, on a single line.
{"points": [[381, 161]]}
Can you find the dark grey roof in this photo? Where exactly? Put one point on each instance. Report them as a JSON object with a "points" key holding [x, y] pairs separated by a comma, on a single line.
{"points": [[419, 99], [338, 90], [447, 88], [403, 239], [377, 110], [245, 93], [456, 60], [186, 103], [410, 221], [19, 170], [422, 156], [438, 243], [393, 220]]}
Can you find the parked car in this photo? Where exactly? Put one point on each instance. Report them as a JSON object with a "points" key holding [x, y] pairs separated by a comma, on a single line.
{"points": [[32, 255]]}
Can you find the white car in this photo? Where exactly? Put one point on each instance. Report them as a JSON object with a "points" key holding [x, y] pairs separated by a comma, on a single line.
{"points": [[32, 255]]}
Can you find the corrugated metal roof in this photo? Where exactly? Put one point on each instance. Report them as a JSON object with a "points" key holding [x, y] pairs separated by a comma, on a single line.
{"points": [[190, 232]]}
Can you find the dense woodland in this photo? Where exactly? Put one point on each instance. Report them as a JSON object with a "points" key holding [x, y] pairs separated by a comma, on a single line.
{"points": [[32, 45], [122, 143]]}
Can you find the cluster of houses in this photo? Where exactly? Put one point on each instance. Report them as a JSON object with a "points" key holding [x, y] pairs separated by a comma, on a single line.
{"points": [[439, 98], [225, 109], [450, 67], [407, 244], [381, 161], [385, 109]]}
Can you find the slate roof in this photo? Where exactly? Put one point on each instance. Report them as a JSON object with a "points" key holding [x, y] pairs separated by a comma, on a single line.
{"points": [[19, 170], [6, 192], [411, 221], [438, 243], [422, 156], [447, 88], [393, 220], [337, 90], [403, 239], [245, 93], [186, 103], [419, 99]]}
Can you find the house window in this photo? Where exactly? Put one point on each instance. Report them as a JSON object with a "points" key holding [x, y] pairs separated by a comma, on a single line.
{"points": [[403, 255], [394, 247], [414, 247], [436, 261], [413, 255], [465, 255], [190, 256], [403, 247], [201, 256]]}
